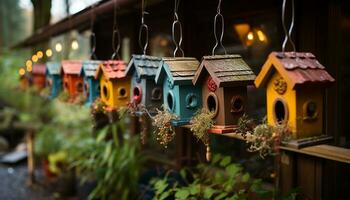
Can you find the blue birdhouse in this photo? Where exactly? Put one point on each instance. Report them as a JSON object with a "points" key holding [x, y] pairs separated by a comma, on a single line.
{"points": [[142, 69], [180, 96], [53, 78], [91, 85]]}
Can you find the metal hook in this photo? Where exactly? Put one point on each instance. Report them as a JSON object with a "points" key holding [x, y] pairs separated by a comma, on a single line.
{"points": [[93, 47], [115, 35], [288, 33], [177, 23], [218, 42], [143, 28]]}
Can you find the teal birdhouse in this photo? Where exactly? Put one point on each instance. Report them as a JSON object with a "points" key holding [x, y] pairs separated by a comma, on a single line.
{"points": [[91, 85], [180, 96], [142, 69], [53, 78]]}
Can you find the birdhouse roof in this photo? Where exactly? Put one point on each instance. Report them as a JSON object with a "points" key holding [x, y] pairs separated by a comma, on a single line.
{"points": [[225, 70], [145, 66], [179, 70], [112, 69], [90, 67], [297, 68], [39, 69], [53, 68], [72, 67]]}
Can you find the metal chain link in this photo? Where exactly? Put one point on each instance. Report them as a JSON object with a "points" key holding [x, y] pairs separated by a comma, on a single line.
{"points": [[115, 35], [288, 33], [218, 41], [143, 29], [177, 23], [93, 36]]}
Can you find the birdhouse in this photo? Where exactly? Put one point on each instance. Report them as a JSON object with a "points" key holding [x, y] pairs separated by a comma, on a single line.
{"points": [[38, 76], [224, 81], [142, 69], [73, 82], [53, 78], [115, 86], [295, 85], [180, 96], [91, 85], [24, 81]]}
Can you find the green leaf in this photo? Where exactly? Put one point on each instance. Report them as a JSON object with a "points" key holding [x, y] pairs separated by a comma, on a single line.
{"points": [[182, 194], [225, 161], [194, 189], [246, 177], [216, 158], [101, 135], [164, 195], [183, 173], [233, 169], [160, 186], [221, 196], [209, 192]]}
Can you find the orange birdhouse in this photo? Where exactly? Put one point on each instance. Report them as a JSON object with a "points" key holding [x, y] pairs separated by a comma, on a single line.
{"points": [[295, 85], [73, 83], [114, 85], [39, 76]]}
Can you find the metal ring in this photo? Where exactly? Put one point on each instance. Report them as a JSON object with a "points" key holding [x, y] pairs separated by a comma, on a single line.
{"points": [[143, 27], [116, 46], [178, 44], [288, 32], [218, 42]]}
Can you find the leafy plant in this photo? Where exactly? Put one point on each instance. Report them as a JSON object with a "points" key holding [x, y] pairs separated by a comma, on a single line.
{"points": [[221, 179], [63, 96], [201, 122], [164, 130]]}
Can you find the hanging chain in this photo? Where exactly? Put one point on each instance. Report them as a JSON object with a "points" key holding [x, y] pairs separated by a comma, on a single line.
{"points": [[143, 29], [93, 36], [287, 33], [115, 35], [177, 23], [218, 41]]}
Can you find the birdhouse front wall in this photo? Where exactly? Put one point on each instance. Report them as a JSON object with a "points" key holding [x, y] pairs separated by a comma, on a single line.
{"points": [[73, 84], [146, 92], [122, 92], [39, 81], [281, 103], [183, 100], [91, 89], [55, 85], [235, 103], [309, 111], [107, 92]]}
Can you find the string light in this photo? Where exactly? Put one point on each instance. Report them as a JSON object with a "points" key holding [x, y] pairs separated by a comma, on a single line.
{"points": [[29, 63], [250, 36], [58, 47], [48, 52], [75, 45], [39, 54], [35, 58], [29, 68], [21, 71], [261, 36]]}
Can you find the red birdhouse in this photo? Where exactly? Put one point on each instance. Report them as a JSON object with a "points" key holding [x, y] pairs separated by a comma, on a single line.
{"points": [[38, 76], [73, 83]]}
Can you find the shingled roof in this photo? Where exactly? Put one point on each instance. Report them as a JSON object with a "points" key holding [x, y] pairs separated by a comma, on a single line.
{"points": [[112, 69], [179, 70], [296, 67], [53, 68], [90, 67], [39, 69], [145, 66], [72, 67], [225, 70]]}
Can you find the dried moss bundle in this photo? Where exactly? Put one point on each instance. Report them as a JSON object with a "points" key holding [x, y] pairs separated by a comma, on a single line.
{"points": [[164, 131], [201, 122]]}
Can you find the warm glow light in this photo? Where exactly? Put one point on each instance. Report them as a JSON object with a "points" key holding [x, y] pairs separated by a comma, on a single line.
{"points": [[35, 58], [250, 36], [29, 63], [75, 45], [39, 54], [261, 36], [48, 52], [29, 68], [21, 71], [58, 47]]}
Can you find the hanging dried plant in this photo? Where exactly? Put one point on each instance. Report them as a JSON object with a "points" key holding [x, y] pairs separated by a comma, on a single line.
{"points": [[164, 130], [80, 99], [63, 96], [265, 138], [143, 123], [201, 122], [245, 124]]}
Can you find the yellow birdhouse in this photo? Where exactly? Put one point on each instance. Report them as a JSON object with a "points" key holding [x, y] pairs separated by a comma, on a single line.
{"points": [[295, 85], [114, 85]]}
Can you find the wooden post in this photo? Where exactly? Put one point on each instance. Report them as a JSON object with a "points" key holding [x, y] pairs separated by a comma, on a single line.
{"points": [[30, 160]]}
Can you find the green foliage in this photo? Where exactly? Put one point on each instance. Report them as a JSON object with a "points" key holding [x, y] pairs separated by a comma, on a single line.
{"points": [[113, 163], [164, 130], [221, 179]]}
